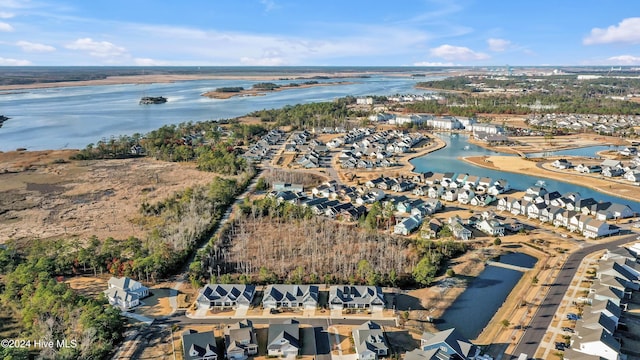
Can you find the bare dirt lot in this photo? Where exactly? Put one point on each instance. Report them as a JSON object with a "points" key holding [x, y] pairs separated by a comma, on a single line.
{"points": [[43, 195]]}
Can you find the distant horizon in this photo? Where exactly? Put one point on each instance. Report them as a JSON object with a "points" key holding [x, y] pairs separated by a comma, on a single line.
{"points": [[627, 67], [451, 33]]}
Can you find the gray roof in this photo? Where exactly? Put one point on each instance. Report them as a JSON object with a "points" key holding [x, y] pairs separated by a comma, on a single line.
{"points": [[291, 293], [599, 320], [605, 305], [242, 294], [124, 282], [239, 335], [431, 354], [371, 295], [595, 335], [198, 344], [369, 336], [288, 331], [460, 345]]}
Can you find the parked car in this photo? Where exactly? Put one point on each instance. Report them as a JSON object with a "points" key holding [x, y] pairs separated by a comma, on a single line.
{"points": [[560, 346], [568, 329], [572, 316]]}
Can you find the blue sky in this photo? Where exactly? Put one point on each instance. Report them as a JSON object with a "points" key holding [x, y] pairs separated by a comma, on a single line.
{"points": [[319, 33]]}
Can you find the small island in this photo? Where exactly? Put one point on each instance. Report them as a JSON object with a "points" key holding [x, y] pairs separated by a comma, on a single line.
{"points": [[153, 100], [259, 89]]}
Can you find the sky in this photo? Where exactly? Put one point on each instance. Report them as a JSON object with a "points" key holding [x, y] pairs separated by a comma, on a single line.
{"points": [[319, 33]]}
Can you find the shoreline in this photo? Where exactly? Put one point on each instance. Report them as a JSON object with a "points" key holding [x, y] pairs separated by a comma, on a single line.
{"points": [[259, 92], [541, 171], [169, 78]]}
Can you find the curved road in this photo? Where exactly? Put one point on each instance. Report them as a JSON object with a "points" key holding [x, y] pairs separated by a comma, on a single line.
{"points": [[533, 335]]}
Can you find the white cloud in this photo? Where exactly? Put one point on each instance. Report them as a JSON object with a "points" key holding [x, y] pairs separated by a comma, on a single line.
{"points": [[14, 62], [457, 53], [150, 62], [5, 27], [627, 31], [6, 15], [624, 60], [102, 49], [34, 47], [498, 45], [430, 63]]}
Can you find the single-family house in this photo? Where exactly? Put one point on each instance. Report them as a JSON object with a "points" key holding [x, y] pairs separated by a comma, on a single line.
{"points": [[407, 225], [611, 163], [482, 200], [369, 341], [450, 343], [596, 342], [465, 196], [606, 307], [240, 340], [562, 164], [450, 195], [491, 227], [199, 345], [458, 230], [284, 339], [125, 292], [435, 191]]}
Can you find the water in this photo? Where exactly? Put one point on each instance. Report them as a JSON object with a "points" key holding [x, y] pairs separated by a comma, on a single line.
{"points": [[446, 159], [475, 307], [589, 151], [72, 117]]}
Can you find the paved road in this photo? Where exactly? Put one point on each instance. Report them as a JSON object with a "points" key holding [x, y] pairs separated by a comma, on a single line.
{"points": [[180, 319], [532, 337]]}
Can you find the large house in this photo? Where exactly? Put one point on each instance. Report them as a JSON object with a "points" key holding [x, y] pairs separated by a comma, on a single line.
{"points": [[290, 296], [369, 341], [125, 292], [356, 297], [226, 296], [199, 345], [240, 340], [284, 339]]}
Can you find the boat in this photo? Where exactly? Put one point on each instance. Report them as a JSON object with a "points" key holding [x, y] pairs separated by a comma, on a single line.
{"points": [[467, 147], [153, 100]]}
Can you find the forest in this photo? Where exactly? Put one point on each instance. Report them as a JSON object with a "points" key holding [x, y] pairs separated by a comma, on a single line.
{"points": [[566, 93], [310, 249], [48, 309]]}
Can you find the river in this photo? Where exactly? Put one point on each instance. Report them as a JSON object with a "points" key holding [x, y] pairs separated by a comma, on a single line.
{"points": [[72, 117], [447, 159]]}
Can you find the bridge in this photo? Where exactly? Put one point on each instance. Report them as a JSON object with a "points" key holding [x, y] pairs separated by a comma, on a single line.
{"points": [[508, 266]]}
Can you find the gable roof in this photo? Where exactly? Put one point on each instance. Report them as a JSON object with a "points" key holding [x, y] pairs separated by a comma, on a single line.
{"points": [[369, 336], [198, 344], [278, 333], [452, 337], [124, 283], [291, 293], [371, 295], [235, 293]]}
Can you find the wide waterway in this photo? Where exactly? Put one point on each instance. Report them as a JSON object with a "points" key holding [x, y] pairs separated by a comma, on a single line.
{"points": [[475, 307], [72, 117], [447, 160]]}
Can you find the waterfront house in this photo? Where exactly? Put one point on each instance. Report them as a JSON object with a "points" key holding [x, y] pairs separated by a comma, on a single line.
{"points": [[548, 214], [535, 209], [199, 345], [633, 176], [284, 339], [226, 296], [612, 172], [620, 211], [597, 228], [125, 292], [369, 341], [611, 164], [290, 296], [562, 164], [450, 344], [534, 192], [435, 191], [356, 297], [434, 179], [240, 340], [482, 200]]}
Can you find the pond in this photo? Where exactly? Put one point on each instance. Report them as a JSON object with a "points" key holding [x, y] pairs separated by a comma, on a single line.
{"points": [[473, 309]]}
